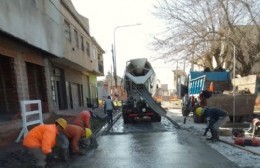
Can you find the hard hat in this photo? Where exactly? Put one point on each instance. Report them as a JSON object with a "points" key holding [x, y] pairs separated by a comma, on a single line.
{"points": [[62, 122], [88, 132], [199, 111]]}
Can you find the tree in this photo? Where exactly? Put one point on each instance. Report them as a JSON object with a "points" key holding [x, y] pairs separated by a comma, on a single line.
{"points": [[202, 31]]}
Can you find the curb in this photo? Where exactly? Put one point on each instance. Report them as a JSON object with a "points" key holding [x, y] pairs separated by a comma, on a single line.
{"points": [[240, 147], [223, 141]]}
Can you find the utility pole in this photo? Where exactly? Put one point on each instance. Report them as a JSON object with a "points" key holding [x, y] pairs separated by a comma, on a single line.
{"points": [[114, 53]]}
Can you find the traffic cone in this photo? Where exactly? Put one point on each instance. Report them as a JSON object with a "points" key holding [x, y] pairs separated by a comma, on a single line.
{"points": [[211, 88]]}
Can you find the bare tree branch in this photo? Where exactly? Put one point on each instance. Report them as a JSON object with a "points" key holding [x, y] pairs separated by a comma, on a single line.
{"points": [[202, 31]]}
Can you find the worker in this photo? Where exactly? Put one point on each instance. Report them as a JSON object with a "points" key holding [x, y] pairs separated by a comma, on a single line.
{"points": [[215, 118], [108, 109], [83, 119], [203, 96], [40, 140], [62, 139], [254, 127], [76, 135]]}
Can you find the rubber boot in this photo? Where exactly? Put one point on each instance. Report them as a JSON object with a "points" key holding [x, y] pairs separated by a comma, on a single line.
{"points": [[215, 136]]}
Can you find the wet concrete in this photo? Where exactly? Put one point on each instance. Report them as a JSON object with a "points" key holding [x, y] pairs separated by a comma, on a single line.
{"points": [[150, 145], [144, 125]]}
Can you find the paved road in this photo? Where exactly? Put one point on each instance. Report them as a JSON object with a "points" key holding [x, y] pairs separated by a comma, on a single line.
{"points": [[150, 145]]}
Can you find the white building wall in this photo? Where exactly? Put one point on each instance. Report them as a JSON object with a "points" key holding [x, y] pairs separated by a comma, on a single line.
{"points": [[36, 22]]}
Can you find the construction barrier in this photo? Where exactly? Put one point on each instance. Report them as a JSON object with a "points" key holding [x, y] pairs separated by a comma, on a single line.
{"points": [[30, 116]]}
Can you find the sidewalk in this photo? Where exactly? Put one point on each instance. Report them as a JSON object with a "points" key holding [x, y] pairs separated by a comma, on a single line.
{"points": [[14, 154], [244, 156], [199, 128]]}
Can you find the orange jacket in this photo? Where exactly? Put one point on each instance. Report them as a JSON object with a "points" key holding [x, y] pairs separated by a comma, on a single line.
{"points": [[74, 133], [42, 136], [83, 119]]}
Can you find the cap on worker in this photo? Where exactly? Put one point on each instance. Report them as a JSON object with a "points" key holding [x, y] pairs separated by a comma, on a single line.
{"points": [[199, 111], [62, 122], [88, 132]]}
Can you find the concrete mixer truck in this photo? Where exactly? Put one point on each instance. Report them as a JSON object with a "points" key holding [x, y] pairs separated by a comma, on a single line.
{"points": [[140, 83]]}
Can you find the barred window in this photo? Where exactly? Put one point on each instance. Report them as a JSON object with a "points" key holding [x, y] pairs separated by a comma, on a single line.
{"points": [[82, 43], [67, 30], [76, 38], [88, 48]]}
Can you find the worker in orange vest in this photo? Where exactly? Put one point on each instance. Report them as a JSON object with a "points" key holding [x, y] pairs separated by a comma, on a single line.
{"points": [[40, 140], [83, 119]]}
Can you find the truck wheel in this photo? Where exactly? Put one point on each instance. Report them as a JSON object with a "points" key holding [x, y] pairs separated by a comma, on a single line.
{"points": [[156, 118], [159, 118], [126, 120]]}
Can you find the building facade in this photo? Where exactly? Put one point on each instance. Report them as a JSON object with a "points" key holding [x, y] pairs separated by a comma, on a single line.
{"points": [[46, 53]]}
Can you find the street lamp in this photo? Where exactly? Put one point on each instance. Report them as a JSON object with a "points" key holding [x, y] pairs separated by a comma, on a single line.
{"points": [[234, 83], [114, 51]]}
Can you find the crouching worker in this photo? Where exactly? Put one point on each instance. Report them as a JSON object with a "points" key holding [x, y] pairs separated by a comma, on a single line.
{"points": [[83, 119], [40, 140], [215, 118], [76, 136]]}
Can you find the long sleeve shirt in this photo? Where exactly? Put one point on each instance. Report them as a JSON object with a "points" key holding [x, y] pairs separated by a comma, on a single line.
{"points": [[213, 114], [42, 136], [83, 119]]}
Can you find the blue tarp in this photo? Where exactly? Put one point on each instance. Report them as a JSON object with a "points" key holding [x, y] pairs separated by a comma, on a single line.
{"points": [[212, 76]]}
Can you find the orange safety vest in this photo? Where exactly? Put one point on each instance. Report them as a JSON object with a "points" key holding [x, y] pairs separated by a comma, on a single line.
{"points": [[41, 136], [83, 119]]}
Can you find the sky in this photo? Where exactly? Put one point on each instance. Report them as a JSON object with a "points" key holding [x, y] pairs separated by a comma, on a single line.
{"points": [[130, 42]]}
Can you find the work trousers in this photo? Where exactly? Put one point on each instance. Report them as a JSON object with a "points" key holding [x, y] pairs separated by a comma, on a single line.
{"points": [[39, 156], [109, 115], [220, 122], [63, 143]]}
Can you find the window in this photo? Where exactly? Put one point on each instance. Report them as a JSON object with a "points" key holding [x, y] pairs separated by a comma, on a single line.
{"points": [[82, 43], [76, 38], [94, 53], [67, 30], [88, 49]]}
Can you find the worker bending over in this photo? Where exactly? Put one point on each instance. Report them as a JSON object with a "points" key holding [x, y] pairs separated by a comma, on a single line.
{"points": [[215, 118], [83, 119], [76, 135], [40, 140]]}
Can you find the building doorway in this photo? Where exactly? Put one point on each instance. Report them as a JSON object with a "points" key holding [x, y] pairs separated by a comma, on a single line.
{"points": [[9, 104]]}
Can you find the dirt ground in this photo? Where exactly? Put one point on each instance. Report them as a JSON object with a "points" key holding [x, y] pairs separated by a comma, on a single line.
{"points": [[15, 155]]}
